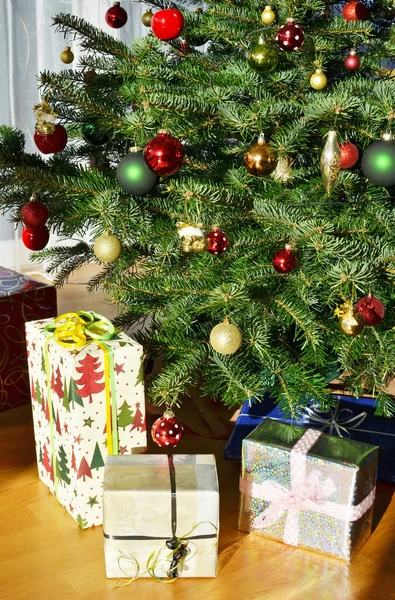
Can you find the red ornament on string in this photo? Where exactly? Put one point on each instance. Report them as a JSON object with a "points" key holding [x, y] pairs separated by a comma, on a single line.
{"points": [[116, 16], [217, 241], [284, 261], [34, 214], [167, 431], [355, 11], [50, 143], [167, 24], [164, 154], [290, 36], [352, 61], [349, 154], [371, 309], [35, 238]]}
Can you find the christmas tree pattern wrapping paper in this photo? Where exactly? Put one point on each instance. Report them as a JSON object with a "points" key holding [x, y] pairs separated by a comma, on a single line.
{"points": [[87, 403], [307, 489], [150, 499]]}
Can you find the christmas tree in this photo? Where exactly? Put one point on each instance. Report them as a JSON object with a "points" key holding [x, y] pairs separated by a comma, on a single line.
{"points": [[125, 415], [248, 231]]}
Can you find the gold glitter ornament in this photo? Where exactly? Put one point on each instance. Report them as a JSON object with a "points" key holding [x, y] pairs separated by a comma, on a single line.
{"points": [[268, 15], [260, 159], [226, 338], [318, 80], [67, 56], [283, 171], [350, 321], [330, 162], [107, 247], [193, 238]]}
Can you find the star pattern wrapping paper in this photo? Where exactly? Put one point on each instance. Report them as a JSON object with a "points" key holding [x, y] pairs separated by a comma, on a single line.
{"points": [[82, 411]]}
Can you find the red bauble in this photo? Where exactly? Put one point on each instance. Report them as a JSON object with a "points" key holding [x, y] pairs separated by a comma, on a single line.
{"points": [[355, 11], [284, 261], [371, 309], [34, 214], [35, 238], [290, 36], [217, 241], [164, 154], [50, 143], [167, 24], [167, 430], [349, 155], [116, 16], [352, 61]]}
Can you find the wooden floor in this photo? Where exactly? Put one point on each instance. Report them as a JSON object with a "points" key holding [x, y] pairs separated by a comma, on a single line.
{"points": [[45, 556]]}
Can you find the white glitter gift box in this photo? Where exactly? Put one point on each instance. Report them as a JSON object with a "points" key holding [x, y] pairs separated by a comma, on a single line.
{"points": [[161, 516], [307, 489], [87, 402]]}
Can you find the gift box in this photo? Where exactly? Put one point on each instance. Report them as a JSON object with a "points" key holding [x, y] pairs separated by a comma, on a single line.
{"points": [[87, 402], [307, 489], [351, 418], [21, 299], [161, 515]]}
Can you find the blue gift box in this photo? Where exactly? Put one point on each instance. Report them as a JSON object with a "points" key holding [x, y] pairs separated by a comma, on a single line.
{"points": [[351, 418]]}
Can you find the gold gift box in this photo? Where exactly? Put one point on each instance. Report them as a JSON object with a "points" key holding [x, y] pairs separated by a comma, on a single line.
{"points": [[149, 498], [308, 489]]}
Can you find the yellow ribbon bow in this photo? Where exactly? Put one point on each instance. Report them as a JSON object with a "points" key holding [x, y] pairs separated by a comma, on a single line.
{"points": [[72, 330]]}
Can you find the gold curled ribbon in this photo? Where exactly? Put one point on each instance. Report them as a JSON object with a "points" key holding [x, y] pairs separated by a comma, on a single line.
{"points": [[156, 558], [72, 330]]}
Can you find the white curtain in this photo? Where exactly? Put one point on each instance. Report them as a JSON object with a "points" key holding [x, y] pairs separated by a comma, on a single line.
{"points": [[28, 45]]}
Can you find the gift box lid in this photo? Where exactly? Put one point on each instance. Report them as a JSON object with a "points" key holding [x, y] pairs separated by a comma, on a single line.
{"points": [[281, 435], [12, 283]]}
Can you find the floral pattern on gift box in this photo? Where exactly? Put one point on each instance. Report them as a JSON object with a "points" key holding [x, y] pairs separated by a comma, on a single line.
{"points": [[82, 411]]}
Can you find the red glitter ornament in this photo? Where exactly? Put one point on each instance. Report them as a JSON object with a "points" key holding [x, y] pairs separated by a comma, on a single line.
{"points": [[50, 143], [34, 214], [35, 238], [371, 309], [355, 11], [284, 261], [352, 61], [290, 36], [116, 16], [164, 154], [349, 154], [217, 241], [167, 430], [167, 24]]}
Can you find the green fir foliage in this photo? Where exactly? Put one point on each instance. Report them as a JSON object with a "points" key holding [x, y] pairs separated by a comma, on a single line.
{"points": [[212, 100]]}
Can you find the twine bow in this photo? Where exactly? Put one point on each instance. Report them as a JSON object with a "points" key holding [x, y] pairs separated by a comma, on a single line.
{"points": [[337, 420], [72, 330]]}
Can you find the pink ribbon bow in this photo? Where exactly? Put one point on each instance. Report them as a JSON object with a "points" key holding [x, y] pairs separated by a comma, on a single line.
{"points": [[308, 492]]}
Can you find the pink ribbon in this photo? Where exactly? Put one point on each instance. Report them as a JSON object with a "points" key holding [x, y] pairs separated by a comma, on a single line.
{"points": [[308, 492]]}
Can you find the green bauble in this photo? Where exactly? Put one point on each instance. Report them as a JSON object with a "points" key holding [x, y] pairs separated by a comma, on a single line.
{"points": [[134, 176], [378, 162], [92, 135], [262, 56]]}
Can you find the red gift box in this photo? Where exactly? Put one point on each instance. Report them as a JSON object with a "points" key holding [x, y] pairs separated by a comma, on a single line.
{"points": [[21, 299]]}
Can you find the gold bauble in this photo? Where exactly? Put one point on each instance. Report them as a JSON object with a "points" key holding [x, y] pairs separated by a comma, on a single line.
{"points": [[268, 15], [147, 18], [330, 162], [226, 338], [350, 321], [318, 80], [194, 243], [260, 159], [67, 56], [107, 247]]}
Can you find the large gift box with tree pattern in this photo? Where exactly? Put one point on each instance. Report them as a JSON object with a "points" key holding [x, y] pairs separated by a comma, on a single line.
{"points": [[88, 401], [21, 299]]}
